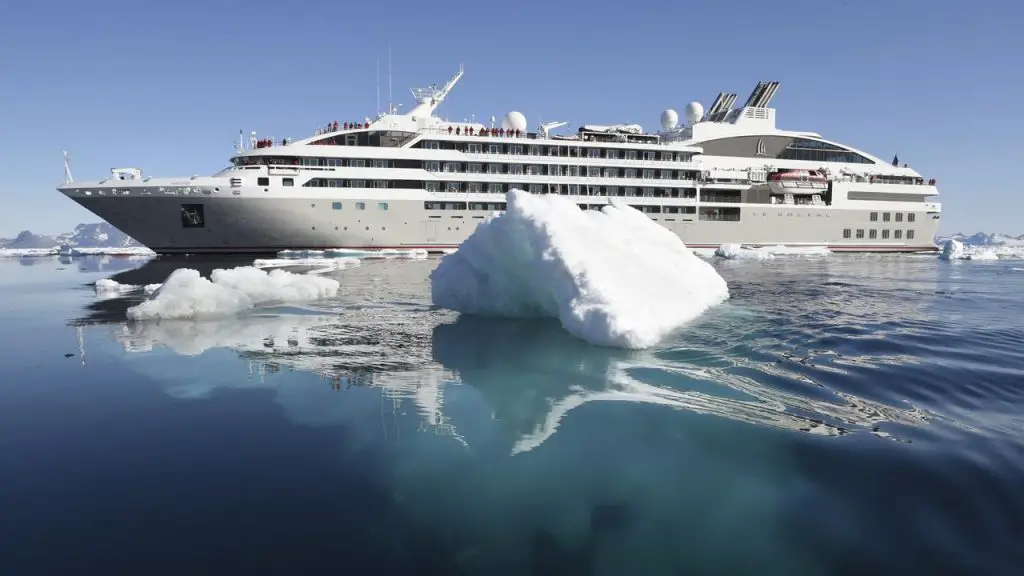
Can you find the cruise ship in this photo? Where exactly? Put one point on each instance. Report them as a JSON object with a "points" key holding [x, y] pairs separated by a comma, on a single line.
{"points": [[414, 180]]}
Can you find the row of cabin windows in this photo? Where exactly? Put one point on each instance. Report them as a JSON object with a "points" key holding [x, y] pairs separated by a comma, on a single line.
{"points": [[557, 151], [560, 170], [564, 189], [873, 234], [474, 167], [899, 216], [339, 183], [498, 206], [359, 205]]}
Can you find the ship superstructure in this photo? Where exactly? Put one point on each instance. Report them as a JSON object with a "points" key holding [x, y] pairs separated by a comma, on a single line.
{"points": [[415, 180]]}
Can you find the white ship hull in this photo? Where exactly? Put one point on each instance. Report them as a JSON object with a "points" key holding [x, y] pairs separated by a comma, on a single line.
{"points": [[250, 223], [414, 180]]}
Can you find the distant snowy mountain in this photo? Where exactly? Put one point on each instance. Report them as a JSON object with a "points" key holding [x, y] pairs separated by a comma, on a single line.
{"points": [[985, 239], [26, 239], [98, 235]]}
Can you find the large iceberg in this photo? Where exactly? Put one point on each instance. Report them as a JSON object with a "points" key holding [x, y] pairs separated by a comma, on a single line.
{"points": [[186, 294], [612, 277]]}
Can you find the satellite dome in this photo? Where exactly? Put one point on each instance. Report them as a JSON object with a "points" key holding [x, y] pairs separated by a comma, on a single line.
{"points": [[694, 112], [669, 119], [514, 121]]}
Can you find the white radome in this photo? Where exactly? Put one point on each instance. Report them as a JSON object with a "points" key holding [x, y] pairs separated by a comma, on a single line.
{"points": [[694, 112], [514, 121], [669, 119]]}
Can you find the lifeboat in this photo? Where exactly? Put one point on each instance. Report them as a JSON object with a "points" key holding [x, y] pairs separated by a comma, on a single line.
{"points": [[797, 182]]}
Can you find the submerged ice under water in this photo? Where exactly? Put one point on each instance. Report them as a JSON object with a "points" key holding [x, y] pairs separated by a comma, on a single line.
{"points": [[842, 413]]}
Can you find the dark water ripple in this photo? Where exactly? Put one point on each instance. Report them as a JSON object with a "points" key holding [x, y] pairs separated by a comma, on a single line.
{"points": [[838, 415]]}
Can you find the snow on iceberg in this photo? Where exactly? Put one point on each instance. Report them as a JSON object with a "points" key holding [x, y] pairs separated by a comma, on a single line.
{"points": [[613, 278], [186, 294]]}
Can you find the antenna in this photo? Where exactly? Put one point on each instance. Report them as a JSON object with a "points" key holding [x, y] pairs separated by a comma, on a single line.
{"points": [[378, 86], [68, 179], [390, 101]]}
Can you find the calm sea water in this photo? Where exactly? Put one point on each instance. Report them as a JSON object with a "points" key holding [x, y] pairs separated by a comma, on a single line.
{"points": [[844, 415]]}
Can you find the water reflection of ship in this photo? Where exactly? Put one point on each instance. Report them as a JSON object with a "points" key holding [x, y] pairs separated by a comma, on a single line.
{"points": [[530, 373], [343, 354]]}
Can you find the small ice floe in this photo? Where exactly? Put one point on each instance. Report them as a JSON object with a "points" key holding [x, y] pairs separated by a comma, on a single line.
{"points": [[328, 253], [185, 294], [108, 287], [739, 252], [612, 277]]}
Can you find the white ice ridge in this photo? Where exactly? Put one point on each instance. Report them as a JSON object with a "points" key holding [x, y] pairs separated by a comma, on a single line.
{"points": [[415, 253], [108, 287], [69, 251], [954, 249], [739, 252], [320, 265], [185, 294], [613, 278]]}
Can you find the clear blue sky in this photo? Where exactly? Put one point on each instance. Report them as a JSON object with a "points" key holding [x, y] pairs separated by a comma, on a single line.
{"points": [[166, 86]]}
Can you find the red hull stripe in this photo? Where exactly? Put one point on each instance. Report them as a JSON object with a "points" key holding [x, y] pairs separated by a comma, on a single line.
{"points": [[440, 247]]}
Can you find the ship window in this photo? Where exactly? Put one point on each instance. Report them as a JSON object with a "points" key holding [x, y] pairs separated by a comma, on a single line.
{"points": [[874, 216], [382, 205], [357, 163], [432, 186], [263, 181], [335, 205], [357, 184], [885, 234], [872, 234], [899, 217], [860, 232], [846, 233], [910, 234], [380, 163], [897, 234], [192, 216], [360, 205], [287, 182], [818, 151], [885, 216], [910, 218]]}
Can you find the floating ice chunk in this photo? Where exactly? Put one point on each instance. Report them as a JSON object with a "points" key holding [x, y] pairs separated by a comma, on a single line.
{"points": [[982, 255], [186, 294], [952, 250], [783, 250], [613, 278], [737, 252], [333, 263], [414, 253], [106, 286]]}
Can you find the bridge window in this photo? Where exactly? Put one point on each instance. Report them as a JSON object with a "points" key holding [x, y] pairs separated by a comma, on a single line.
{"points": [[910, 234], [846, 233], [818, 151], [910, 217], [263, 181], [860, 232]]}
